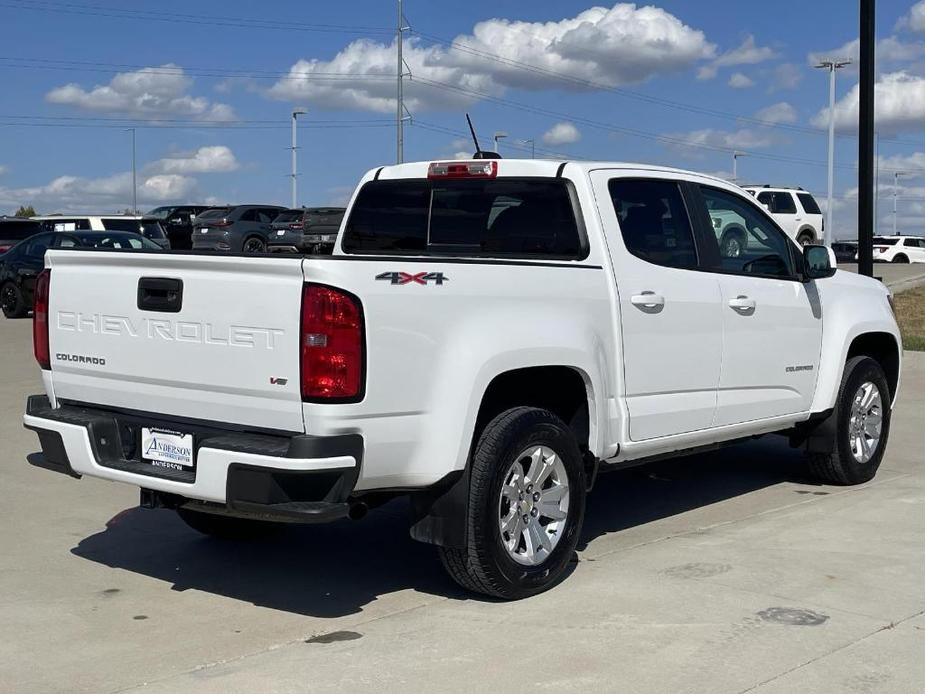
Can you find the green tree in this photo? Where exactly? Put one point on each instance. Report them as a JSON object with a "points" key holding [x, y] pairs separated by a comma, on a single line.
{"points": [[26, 211]]}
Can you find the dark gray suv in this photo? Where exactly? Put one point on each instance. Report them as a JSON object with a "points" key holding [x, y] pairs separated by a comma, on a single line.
{"points": [[239, 229], [306, 230]]}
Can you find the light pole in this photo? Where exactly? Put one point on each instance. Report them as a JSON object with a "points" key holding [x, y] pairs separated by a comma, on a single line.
{"points": [[831, 66], [896, 175], [735, 164], [532, 144], [498, 137], [134, 178], [294, 174]]}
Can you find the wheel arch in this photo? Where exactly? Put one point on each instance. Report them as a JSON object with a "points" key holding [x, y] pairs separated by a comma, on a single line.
{"points": [[803, 230], [882, 348]]}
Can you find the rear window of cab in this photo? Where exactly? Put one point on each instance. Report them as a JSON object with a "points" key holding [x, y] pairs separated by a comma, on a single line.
{"points": [[505, 217]]}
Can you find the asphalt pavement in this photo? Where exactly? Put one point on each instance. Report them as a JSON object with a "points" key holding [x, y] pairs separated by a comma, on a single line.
{"points": [[728, 572], [897, 276]]}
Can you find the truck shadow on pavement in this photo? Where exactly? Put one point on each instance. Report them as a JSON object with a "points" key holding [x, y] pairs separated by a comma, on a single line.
{"points": [[336, 569]]}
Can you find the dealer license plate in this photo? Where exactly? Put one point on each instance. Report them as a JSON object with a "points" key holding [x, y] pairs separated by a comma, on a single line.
{"points": [[167, 449]]}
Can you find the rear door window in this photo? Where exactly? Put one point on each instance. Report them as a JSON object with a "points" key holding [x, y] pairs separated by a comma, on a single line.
{"points": [[810, 206], [17, 231], [507, 217], [654, 221]]}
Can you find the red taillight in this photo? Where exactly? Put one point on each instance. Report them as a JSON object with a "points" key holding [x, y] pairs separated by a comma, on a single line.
{"points": [[295, 225], [40, 320], [217, 223], [4, 247], [463, 169], [331, 344]]}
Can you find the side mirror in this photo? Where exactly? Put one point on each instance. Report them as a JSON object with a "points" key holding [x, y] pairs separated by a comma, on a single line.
{"points": [[818, 262]]}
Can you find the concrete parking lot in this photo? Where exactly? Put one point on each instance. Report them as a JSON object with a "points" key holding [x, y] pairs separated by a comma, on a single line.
{"points": [[897, 276], [728, 572]]}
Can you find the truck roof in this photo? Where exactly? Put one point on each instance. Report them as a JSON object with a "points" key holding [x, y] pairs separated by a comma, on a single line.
{"points": [[548, 168]]}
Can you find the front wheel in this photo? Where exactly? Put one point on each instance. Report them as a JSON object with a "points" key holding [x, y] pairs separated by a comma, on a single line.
{"points": [[12, 301], [732, 245], [526, 506], [805, 239], [900, 258], [862, 426]]}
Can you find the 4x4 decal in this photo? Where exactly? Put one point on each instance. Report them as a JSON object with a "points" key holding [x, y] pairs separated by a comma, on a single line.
{"points": [[413, 278]]}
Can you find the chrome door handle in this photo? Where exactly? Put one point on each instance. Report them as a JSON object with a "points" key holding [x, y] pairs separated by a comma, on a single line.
{"points": [[647, 300], [742, 304]]}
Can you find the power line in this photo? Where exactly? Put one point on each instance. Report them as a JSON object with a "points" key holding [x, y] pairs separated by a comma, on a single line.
{"points": [[210, 20]]}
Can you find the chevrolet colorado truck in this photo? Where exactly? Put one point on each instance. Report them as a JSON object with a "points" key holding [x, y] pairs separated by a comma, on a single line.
{"points": [[486, 337]]}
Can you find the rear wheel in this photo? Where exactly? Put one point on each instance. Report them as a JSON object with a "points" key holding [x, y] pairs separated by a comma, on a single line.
{"points": [[861, 428], [226, 527], [732, 244], [900, 258], [255, 244], [805, 238], [526, 506], [12, 301]]}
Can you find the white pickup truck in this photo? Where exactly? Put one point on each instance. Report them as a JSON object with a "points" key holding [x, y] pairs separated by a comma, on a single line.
{"points": [[485, 338]]}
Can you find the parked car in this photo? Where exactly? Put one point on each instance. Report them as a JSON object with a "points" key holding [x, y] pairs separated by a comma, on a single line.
{"points": [[486, 337], [239, 229], [845, 251], [306, 230], [15, 229], [177, 221], [149, 227], [898, 249], [21, 264], [795, 211]]}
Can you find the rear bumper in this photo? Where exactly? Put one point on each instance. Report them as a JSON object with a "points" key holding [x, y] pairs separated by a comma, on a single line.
{"points": [[296, 478]]}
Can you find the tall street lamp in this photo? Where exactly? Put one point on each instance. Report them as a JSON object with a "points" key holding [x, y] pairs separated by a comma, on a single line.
{"points": [[294, 174], [735, 164], [831, 66], [498, 137], [896, 176], [532, 144], [134, 178]]}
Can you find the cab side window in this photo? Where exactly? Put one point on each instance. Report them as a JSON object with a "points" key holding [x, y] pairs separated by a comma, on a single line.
{"points": [[749, 243], [654, 221]]}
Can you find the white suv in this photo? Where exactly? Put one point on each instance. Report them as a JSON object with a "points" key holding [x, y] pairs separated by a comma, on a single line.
{"points": [[899, 249], [795, 210]]}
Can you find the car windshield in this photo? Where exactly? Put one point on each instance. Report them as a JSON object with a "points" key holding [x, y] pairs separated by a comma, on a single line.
{"points": [[121, 240], [883, 241], [214, 213], [289, 216], [152, 229], [160, 212]]}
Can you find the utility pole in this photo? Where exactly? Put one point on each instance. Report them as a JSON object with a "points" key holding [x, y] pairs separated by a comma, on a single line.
{"points": [[532, 144], [831, 66], [896, 175], [868, 39], [735, 164], [498, 137], [294, 175], [401, 113], [134, 177]]}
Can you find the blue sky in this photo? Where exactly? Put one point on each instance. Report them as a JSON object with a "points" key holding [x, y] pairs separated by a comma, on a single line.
{"points": [[679, 83]]}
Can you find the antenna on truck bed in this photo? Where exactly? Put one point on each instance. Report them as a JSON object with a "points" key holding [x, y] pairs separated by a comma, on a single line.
{"points": [[479, 154]]}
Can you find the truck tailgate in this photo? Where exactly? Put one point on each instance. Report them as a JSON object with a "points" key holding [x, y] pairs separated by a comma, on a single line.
{"points": [[230, 354]]}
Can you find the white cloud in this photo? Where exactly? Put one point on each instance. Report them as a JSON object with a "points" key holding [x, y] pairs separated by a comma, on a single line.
{"points": [[620, 45], [738, 80], [3, 169], [786, 76], [781, 112], [150, 92], [562, 134], [211, 159], [911, 165], [889, 50], [748, 53], [900, 101], [915, 19], [744, 139]]}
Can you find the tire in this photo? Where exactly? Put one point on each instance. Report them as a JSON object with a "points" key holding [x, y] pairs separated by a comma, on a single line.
{"points": [[254, 244], [11, 298], [509, 443], [226, 527], [900, 258], [805, 238], [844, 466], [732, 244]]}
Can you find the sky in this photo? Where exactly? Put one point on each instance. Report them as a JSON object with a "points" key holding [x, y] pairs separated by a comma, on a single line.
{"points": [[209, 87]]}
